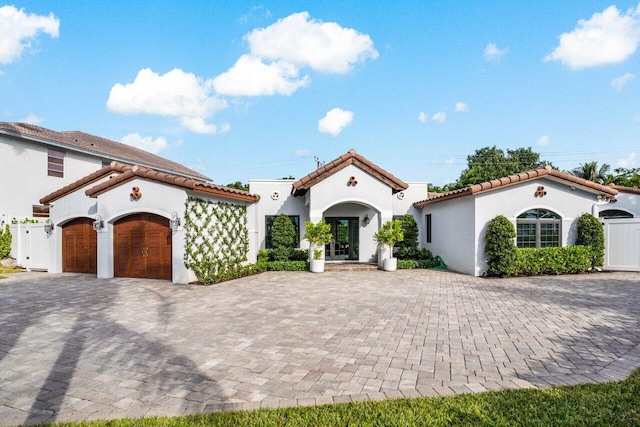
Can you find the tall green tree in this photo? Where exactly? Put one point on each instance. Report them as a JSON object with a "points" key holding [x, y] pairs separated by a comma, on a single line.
{"points": [[626, 177], [591, 172], [491, 163]]}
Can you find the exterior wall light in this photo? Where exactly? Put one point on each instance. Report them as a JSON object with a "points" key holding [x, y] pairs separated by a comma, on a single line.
{"points": [[366, 219], [174, 222], [98, 224], [48, 226]]}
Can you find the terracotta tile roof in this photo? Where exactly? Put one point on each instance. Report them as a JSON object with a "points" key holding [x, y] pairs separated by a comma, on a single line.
{"points": [[129, 173], [622, 189], [518, 178], [302, 185], [101, 147], [112, 168]]}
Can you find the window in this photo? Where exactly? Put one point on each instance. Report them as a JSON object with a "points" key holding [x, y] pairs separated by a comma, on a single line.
{"points": [[614, 213], [538, 228], [428, 224], [55, 163], [295, 219]]}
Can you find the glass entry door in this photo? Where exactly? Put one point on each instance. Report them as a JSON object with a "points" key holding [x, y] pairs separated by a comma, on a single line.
{"points": [[344, 244]]}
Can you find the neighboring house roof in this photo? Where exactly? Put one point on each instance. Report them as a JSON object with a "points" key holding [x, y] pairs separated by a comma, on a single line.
{"points": [[622, 189], [97, 146], [113, 167], [545, 172], [130, 173], [303, 185]]}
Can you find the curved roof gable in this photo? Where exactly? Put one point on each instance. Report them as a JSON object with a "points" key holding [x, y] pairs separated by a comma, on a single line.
{"points": [[303, 185], [533, 174]]}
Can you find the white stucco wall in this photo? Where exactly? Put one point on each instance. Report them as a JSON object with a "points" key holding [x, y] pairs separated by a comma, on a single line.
{"points": [[453, 233], [23, 164], [285, 203], [627, 202]]}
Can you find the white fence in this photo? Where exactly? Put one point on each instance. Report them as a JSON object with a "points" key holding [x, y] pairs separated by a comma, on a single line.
{"points": [[29, 245], [622, 244]]}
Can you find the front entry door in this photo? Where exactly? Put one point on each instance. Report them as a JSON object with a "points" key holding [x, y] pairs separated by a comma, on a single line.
{"points": [[345, 242]]}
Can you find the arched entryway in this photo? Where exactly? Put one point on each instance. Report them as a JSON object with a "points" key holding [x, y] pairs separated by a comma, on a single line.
{"points": [[79, 247], [142, 247]]}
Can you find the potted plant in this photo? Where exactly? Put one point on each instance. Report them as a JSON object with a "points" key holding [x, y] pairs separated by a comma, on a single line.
{"points": [[389, 234], [318, 235]]}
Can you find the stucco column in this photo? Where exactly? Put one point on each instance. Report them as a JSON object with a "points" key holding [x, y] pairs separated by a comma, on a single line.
{"points": [[383, 250]]}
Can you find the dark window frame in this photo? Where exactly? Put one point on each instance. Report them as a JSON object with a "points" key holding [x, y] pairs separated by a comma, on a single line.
{"points": [[614, 214], [268, 222], [427, 220], [538, 228]]}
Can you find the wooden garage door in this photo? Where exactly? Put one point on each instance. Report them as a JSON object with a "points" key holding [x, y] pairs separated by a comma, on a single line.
{"points": [[142, 247], [79, 247]]}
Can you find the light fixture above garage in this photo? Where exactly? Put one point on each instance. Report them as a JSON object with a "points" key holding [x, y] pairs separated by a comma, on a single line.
{"points": [[174, 223], [98, 224]]}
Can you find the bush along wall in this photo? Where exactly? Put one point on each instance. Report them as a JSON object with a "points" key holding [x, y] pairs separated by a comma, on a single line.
{"points": [[217, 239], [5, 241], [506, 260], [591, 234]]}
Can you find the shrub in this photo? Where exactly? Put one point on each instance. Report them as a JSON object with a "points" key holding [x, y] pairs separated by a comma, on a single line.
{"points": [[406, 264], [553, 260], [389, 234], [408, 247], [287, 265], [5, 241], [281, 253], [263, 255], [283, 233], [500, 248], [318, 235], [591, 234], [235, 272]]}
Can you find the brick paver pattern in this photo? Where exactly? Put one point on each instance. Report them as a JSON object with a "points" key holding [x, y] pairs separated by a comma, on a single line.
{"points": [[73, 347]]}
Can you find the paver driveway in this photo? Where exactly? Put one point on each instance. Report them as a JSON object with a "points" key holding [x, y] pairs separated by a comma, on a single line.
{"points": [[74, 347]]}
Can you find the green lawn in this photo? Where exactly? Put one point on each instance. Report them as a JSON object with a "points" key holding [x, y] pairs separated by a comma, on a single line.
{"points": [[611, 404]]}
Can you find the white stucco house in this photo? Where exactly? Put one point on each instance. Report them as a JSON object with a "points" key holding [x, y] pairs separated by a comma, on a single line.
{"points": [[138, 221], [38, 161]]}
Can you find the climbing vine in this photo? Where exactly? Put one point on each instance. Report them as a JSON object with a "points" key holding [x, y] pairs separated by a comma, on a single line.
{"points": [[217, 238]]}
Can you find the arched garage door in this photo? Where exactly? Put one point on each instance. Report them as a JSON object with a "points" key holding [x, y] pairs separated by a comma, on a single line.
{"points": [[79, 247], [142, 247]]}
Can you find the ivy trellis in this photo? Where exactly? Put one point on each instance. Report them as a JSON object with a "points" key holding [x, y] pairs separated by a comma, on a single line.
{"points": [[217, 237]]}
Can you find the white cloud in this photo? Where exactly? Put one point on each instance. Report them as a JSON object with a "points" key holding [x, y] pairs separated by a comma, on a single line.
{"points": [[462, 107], [423, 117], [32, 119], [252, 77], [627, 162], [450, 162], [543, 141], [301, 152], [335, 121], [439, 117], [145, 143], [176, 94], [323, 46], [620, 82], [606, 38], [492, 52], [18, 28]]}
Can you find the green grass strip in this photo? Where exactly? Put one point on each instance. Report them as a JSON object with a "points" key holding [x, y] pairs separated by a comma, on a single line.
{"points": [[608, 404]]}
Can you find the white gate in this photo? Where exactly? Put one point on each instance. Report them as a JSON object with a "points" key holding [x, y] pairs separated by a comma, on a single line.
{"points": [[622, 244], [29, 245]]}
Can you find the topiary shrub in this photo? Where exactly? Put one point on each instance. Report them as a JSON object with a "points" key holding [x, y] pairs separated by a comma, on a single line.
{"points": [[591, 234], [5, 241], [408, 247], [553, 260], [283, 236], [500, 247]]}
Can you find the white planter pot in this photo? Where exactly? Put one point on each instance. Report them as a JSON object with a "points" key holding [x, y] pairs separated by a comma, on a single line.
{"points": [[316, 265], [390, 264]]}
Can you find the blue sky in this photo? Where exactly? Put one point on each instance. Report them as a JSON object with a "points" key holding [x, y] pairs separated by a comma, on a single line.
{"points": [[240, 90]]}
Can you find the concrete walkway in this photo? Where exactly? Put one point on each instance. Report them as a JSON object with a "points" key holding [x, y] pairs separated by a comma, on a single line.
{"points": [[73, 347]]}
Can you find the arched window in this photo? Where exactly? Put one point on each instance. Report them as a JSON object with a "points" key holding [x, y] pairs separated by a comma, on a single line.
{"points": [[614, 213], [538, 228]]}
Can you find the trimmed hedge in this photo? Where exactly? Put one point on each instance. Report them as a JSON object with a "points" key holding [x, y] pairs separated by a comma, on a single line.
{"points": [[285, 265], [5, 241], [553, 260], [432, 262], [591, 234]]}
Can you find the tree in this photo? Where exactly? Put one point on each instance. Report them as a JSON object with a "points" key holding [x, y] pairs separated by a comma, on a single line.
{"points": [[626, 177], [447, 187], [490, 163], [238, 186], [591, 234], [591, 172], [408, 247]]}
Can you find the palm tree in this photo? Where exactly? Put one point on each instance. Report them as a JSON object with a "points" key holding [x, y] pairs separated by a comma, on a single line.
{"points": [[591, 172]]}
